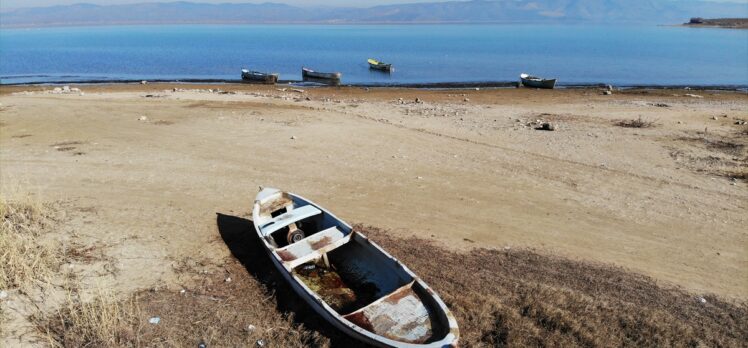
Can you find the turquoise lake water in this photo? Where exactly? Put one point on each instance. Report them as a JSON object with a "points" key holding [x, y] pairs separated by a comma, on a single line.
{"points": [[620, 55]]}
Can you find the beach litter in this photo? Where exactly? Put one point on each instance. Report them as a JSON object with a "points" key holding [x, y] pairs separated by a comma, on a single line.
{"points": [[3, 294], [154, 320], [143, 118], [546, 126], [693, 95]]}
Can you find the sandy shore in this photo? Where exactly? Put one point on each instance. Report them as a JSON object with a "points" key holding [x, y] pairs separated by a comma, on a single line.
{"points": [[147, 167]]}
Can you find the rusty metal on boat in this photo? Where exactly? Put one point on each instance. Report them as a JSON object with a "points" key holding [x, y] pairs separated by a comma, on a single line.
{"points": [[347, 279]]}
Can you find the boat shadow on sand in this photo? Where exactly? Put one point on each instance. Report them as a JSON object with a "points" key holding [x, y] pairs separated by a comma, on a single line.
{"points": [[238, 234]]}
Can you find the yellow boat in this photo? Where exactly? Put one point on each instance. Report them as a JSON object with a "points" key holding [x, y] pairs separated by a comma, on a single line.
{"points": [[377, 65]]}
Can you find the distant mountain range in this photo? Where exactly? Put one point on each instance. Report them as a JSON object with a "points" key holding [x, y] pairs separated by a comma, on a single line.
{"points": [[478, 11]]}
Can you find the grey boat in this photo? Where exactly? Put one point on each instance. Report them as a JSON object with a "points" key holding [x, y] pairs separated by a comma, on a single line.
{"points": [[306, 72], [537, 82], [347, 279], [259, 77]]}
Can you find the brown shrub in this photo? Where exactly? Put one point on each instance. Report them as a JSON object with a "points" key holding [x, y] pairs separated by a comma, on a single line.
{"points": [[636, 123]]}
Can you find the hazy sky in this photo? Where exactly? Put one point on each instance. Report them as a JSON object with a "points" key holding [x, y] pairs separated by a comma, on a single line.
{"points": [[358, 3]]}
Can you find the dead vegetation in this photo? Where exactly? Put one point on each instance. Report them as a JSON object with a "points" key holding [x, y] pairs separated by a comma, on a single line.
{"points": [[500, 298], [521, 298], [101, 321], [26, 257], [236, 313], [636, 123], [714, 154]]}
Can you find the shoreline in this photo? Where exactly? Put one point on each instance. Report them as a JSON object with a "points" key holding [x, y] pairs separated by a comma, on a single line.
{"points": [[416, 85]]}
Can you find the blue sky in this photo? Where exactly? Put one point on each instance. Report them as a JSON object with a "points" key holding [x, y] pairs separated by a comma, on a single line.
{"points": [[358, 3]]}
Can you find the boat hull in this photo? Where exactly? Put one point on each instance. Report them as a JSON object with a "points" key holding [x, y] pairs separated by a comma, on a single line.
{"points": [[321, 75], [258, 77], [539, 83], [362, 323], [381, 67]]}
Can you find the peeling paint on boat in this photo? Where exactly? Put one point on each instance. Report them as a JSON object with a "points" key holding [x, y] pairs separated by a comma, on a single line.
{"points": [[349, 280]]}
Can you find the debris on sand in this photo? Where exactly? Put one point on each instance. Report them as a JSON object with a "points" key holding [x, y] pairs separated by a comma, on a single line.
{"points": [[143, 118], [546, 126], [607, 92], [64, 90], [154, 320], [693, 95]]}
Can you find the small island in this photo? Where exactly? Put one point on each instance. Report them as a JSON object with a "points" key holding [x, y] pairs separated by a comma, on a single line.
{"points": [[731, 23]]}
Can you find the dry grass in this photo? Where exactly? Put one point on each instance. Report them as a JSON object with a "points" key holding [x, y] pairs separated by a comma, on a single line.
{"points": [[238, 313], [521, 298], [26, 257], [636, 123], [103, 321], [727, 155], [500, 298]]}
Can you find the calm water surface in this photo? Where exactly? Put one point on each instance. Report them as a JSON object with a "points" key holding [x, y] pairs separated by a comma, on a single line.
{"points": [[622, 55]]}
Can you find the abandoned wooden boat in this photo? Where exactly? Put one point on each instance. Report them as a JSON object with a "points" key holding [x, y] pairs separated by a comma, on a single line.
{"points": [[537, 82], [348, 279], [377, 65], [306, 72], [259, 77]]}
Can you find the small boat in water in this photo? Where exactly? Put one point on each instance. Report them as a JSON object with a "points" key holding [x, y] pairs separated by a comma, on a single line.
{"points": [[259, 77], [537, 82], [377, 65], [348, 279], [309, 73]]}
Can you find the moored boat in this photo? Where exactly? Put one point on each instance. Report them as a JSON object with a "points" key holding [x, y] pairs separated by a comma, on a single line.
{"points": [[377, 65], [537, 82], [306, 72], [348, 279], [259, 77]]}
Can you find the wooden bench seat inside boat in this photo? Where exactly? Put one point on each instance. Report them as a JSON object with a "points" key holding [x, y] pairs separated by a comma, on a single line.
{"points": [[311, 246], [288, 218]]}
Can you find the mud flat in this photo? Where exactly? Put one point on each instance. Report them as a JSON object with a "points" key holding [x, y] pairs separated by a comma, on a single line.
{"points": [[651, 181]]}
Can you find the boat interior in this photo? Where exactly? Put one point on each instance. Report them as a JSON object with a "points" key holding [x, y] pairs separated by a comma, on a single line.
{"points": [[357, 279]]}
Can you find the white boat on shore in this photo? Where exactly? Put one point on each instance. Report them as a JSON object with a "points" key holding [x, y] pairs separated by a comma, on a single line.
{"points": [[348, 279]]}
